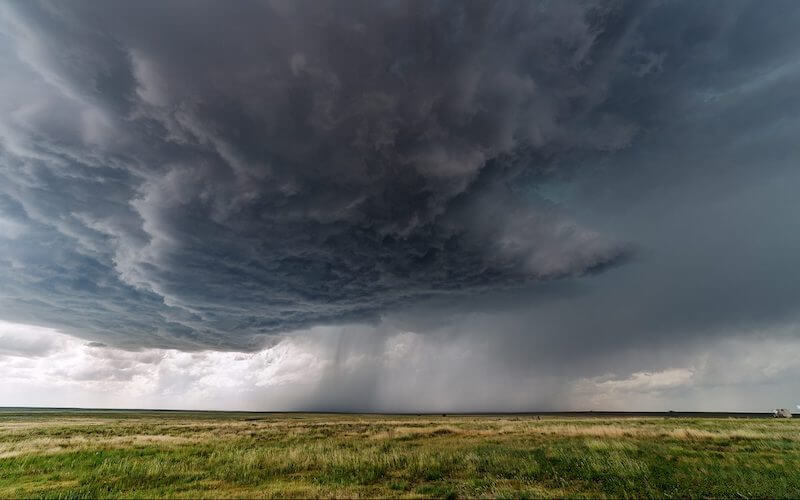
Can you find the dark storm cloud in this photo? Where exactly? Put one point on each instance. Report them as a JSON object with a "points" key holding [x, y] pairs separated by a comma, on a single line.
{"points": [[263, 167], [198, 174]]}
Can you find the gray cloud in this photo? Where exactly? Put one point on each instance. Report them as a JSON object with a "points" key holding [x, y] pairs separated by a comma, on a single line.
{"points": [[275, 166], [580, 188]]}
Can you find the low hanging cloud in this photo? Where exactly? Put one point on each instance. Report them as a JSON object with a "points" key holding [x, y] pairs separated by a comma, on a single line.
{"points": [[279, 165], [556, 185]]}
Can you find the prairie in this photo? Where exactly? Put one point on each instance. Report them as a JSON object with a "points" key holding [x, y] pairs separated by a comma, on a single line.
{"points": [[139, 454]]}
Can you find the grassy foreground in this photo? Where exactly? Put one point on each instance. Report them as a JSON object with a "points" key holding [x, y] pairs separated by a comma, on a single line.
{"points": [[177, 454]]}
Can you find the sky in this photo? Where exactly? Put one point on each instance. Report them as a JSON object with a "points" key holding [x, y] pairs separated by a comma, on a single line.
{"points": [[400, 205]]}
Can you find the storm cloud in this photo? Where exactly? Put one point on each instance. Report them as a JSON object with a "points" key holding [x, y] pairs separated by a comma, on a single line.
{"points": [[573, 189]]}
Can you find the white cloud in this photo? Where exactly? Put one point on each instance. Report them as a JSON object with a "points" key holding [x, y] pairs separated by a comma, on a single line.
{"points": [[647, 381], [41, 366], [749, 373], [28, 341]]}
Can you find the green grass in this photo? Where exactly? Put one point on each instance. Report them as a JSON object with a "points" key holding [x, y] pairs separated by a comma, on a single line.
{"points": [[183, 454]]}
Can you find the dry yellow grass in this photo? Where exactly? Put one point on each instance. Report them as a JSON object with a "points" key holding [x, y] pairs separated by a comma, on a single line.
{"points": [[255, 455]]}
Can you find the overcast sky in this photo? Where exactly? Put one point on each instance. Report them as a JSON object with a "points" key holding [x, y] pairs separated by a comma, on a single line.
{"points": [[400, 206]]}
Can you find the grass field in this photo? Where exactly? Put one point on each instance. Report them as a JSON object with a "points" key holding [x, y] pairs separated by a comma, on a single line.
{"points": [[183, 454]]}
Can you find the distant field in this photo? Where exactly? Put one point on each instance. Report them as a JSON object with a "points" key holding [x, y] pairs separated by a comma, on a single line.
{"points": [[184, 454]]}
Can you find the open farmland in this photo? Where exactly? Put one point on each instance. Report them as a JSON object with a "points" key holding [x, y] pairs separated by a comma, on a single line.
{"points": [[186, 454]]}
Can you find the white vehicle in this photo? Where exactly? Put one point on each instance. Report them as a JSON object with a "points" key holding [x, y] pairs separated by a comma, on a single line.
{"points": [[782, 413]]}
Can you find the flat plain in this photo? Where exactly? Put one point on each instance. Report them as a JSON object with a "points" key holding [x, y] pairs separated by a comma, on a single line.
{"points": [[140, 454]]}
